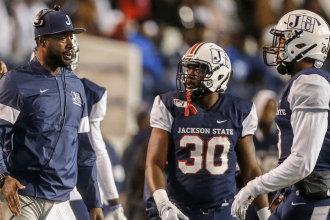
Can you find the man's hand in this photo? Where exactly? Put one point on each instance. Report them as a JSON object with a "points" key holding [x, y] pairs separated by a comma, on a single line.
{"points": [[117, 212], [3, 68], [96, 214], [241, 203], [168, 211], [10, 194]]}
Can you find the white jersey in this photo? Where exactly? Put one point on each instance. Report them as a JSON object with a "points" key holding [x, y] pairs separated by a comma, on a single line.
{"points": [[303, 127]]}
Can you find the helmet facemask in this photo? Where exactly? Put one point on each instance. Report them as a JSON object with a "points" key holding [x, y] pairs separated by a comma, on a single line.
{"points": [[279, 50], [195, 74]]}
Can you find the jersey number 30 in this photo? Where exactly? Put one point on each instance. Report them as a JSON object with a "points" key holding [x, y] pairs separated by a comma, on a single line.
{"points": [[198, 156]]}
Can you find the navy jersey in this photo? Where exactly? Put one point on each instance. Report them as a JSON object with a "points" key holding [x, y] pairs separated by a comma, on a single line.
{"points": [[201, 158], [94, 94], [307, 86]]}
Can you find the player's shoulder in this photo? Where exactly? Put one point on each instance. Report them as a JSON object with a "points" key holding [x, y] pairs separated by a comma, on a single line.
{"points": [[94, 92], [311, 75], [92, 87], [173, 98], [235, 103]]}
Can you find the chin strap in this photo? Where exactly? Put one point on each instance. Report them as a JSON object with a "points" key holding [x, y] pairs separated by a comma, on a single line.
{"points": [[193, 109]]}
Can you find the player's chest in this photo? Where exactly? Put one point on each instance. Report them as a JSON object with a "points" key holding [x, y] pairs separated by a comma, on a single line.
{"points": [[283, 114], [204, 123]]}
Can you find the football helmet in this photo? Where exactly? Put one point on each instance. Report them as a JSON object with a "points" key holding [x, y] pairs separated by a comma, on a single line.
{"points": [[306, 34], [212, 61], [75, 55]]}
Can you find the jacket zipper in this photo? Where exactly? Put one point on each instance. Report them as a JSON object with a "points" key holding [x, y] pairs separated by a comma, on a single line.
{"points": [[59, 93]]}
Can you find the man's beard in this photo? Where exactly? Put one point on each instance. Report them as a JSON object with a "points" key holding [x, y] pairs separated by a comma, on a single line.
{"points": [[56, 57]]}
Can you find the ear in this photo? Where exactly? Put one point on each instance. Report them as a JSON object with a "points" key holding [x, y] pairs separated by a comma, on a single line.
{"points": [[42, 41]]}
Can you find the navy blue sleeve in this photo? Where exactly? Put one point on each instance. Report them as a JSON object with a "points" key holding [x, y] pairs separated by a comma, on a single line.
{"points": [[87, 183], [9, 112]]}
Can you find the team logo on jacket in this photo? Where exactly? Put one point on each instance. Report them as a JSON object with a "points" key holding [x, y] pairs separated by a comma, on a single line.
{"points": [[76, 98]]}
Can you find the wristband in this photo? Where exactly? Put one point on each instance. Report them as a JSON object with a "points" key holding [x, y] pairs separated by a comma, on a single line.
{"points": [[113, 208], [160, 195], [264, 213]]}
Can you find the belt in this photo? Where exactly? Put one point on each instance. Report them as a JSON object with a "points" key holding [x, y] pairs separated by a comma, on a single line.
{"points": [[205, 211]]}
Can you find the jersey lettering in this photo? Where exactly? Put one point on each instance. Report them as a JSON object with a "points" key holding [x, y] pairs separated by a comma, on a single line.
{"points": [[197, 154]]}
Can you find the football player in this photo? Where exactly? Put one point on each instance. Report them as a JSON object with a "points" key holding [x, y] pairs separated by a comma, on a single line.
{"points": [[201, 133], [300, 46]]}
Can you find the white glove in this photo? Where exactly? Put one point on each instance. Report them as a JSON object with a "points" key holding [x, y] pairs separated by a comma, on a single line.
{"points": [[168, 211], [241, 203], [117, 212]]}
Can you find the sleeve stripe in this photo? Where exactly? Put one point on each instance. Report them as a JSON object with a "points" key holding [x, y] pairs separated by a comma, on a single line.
{"points": [[84, 125], [8, 113]]}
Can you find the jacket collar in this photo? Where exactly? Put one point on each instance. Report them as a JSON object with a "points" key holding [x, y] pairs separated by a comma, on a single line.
{"points": [[35, 64]]}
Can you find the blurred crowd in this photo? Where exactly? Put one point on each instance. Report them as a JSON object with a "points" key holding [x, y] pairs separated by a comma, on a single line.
{"points": [[164, 30]]}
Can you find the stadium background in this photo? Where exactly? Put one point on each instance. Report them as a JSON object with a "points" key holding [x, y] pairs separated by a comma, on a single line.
{"points": [[132, 47]]}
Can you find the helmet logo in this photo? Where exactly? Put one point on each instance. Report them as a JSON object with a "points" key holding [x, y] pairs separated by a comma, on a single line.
{"points": [[219, 57], [324, 50], [302, 22]]}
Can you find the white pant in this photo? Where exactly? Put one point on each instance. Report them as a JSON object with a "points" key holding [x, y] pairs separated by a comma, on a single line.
{"points": [[32, 208]]}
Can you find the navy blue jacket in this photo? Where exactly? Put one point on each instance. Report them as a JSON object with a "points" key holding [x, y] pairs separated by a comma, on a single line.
{"points": [[45, 128]]}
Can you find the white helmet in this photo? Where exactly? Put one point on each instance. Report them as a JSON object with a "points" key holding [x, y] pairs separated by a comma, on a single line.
{"points": [[217, 72], [306, 34]]}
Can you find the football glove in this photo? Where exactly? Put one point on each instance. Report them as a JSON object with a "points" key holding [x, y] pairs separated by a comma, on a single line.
{"points": [[169, 211], [241, 203], [117, 212], [166, 209]]}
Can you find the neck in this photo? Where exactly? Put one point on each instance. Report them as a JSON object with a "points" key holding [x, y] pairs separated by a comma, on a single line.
{"points": [[53, 69], [297, 67], [207, 101]]}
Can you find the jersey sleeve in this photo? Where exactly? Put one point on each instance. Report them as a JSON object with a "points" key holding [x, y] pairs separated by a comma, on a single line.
{"points": [[9, 111], [160, 117], [103, 163], [250, 123], [309, 100], [99, 109], [309, 129], [309, 92]]}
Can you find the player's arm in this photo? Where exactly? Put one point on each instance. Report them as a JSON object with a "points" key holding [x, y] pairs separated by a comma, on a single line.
{"points": [[9, 112], [161, 121], [309, 102], [3, 68], [155, 165], [156, 159], [247, 161]]}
